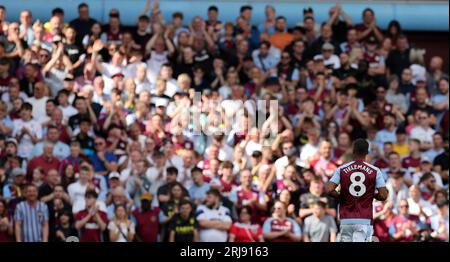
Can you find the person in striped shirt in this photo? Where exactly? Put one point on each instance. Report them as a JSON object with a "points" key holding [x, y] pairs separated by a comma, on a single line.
{"points": [[31, 218]]}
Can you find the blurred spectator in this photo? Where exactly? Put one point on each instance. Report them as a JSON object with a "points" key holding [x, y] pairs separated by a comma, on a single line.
{"points": [[320, 227], [280, 228], [404, 226], [244, 230], [91, 221], [146, 219], [214, 219], [34, 227], [121, 229], [183, 226]]}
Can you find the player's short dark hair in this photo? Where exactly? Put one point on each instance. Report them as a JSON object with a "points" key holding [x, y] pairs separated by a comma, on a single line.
{"points": [[2, 7], [172, 170], [360, 147], [280, 17]]}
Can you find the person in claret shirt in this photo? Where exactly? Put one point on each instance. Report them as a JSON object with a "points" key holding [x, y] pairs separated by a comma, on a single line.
{"points": [[246, 195], [427, 186], [280, 228], [91, 221], [412, 162], [227, 181], [146, 218], [404, 226], [243, 230], [382, 217], [323, 163], [382, 160]]}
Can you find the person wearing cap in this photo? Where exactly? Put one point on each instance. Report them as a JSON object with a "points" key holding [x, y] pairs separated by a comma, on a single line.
{"points": [[15, 189], [375, 62], [426, 166], [328, 56], [147, 218]]}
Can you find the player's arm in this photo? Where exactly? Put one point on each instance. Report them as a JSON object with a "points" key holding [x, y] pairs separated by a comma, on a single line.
{"points": [[331, 189], [333, 184], [382, 192]]}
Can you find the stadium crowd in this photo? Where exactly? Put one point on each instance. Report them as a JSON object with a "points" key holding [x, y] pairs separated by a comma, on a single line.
{"points": [[99, 127]]}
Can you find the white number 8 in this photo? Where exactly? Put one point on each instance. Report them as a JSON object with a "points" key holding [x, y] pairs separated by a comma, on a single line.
{"points": [[362, 187]]}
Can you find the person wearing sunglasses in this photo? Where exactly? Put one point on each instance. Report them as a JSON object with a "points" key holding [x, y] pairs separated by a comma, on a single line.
{"points": [[280, 228], [404, 227]]}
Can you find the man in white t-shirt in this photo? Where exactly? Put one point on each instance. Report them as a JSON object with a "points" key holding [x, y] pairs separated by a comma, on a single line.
{"points": [[38, 100], [310, 149], [27, 131], [107, 69], [423, 132], [213, 218]]}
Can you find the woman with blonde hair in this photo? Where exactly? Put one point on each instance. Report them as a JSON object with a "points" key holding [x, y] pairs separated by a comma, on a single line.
{"points": [[121, 229]]}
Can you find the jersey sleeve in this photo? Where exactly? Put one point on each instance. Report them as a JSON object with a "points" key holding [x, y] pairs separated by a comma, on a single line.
{"points": [[380, 181], [336, 178]]}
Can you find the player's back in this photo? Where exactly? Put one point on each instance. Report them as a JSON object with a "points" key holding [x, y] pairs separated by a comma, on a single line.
{"points": [[358, 184]]}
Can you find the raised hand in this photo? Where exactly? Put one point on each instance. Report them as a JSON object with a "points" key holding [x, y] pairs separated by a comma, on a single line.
{"points": [[98, 45]]}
